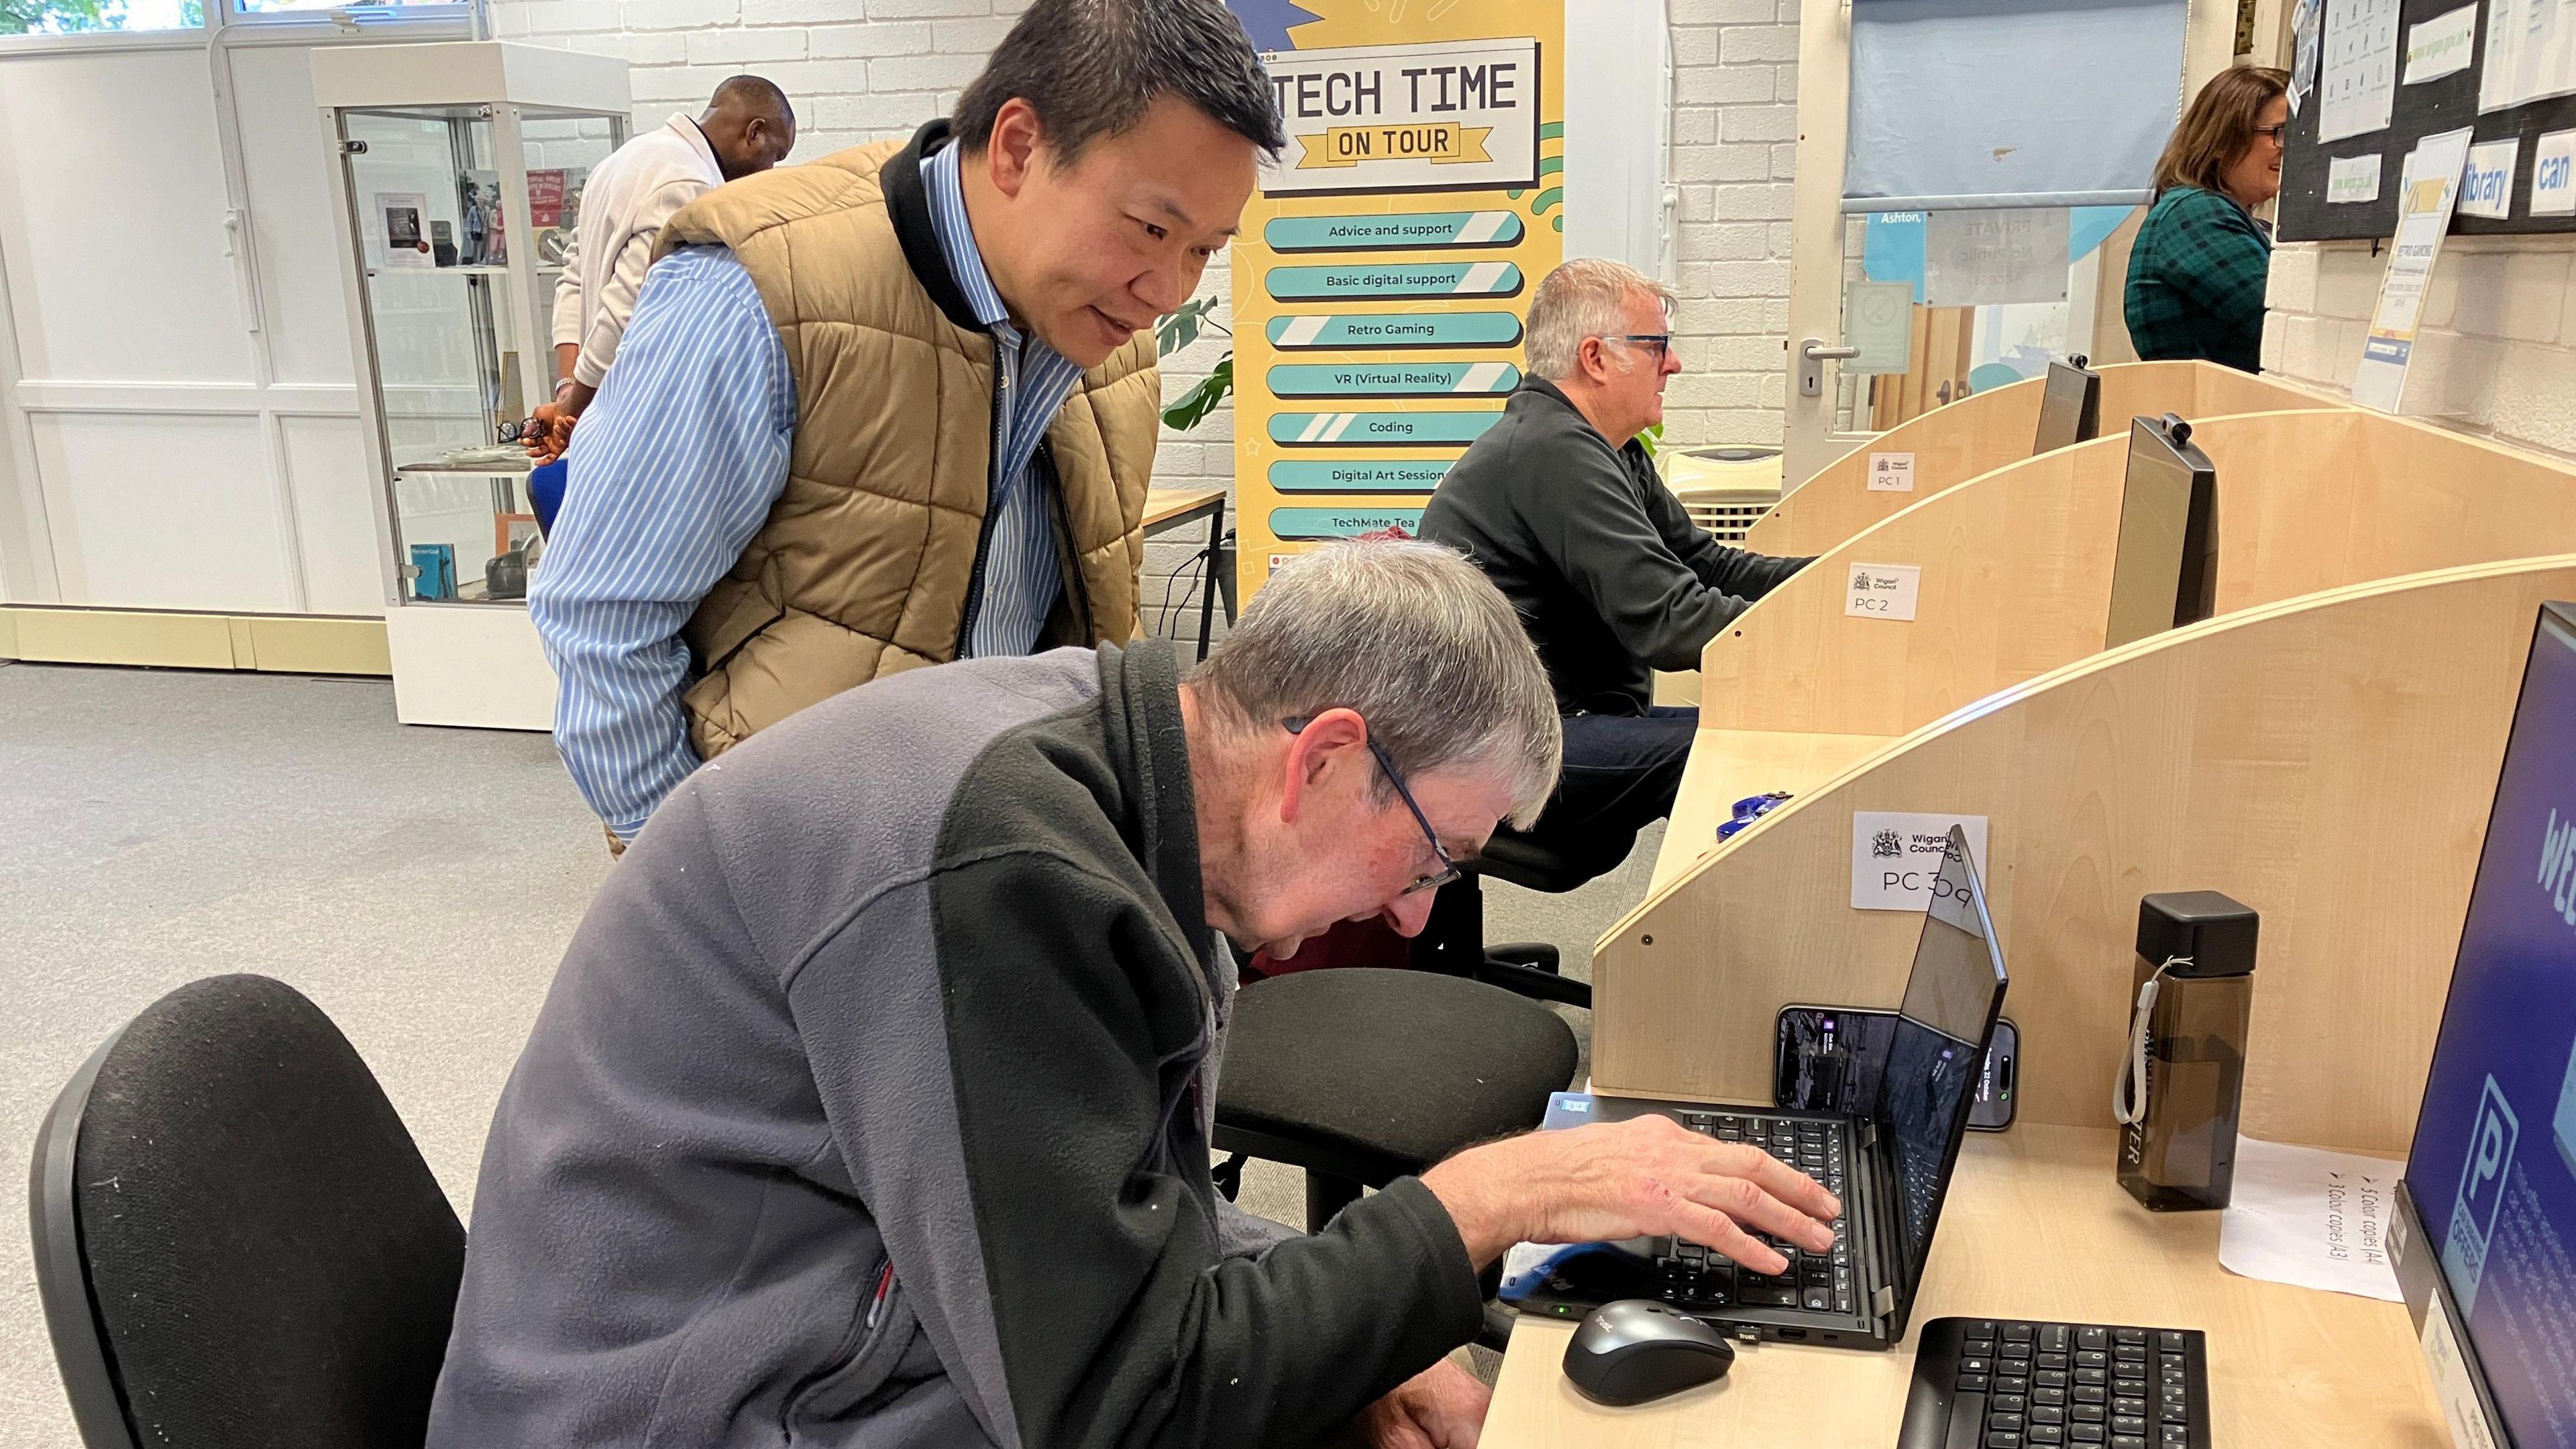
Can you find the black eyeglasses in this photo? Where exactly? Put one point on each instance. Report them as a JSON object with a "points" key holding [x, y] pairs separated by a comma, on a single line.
{"points": [[2275, 134], [1448, 868], [1657, 344]]}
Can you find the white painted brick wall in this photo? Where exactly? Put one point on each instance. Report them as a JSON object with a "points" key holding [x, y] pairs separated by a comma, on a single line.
{"points": [[2497, 353], [862, 70], [1735, 131]]}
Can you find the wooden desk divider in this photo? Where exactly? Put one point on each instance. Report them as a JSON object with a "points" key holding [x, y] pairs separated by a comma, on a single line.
{"points": [[2328, 760], [2017, 564], [1988, 430]]}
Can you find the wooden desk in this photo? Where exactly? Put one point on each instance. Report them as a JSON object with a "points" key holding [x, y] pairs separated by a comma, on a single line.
{"points": [[2035, 1227], [1727, 765], [1169, 508]]}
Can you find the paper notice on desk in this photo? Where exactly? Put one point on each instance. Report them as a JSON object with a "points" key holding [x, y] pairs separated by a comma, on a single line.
{"points": [[2311, 1218]]}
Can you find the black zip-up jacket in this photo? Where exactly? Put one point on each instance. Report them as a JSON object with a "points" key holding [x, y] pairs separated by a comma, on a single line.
{"points": [[1610, 577], [871, 1108]]}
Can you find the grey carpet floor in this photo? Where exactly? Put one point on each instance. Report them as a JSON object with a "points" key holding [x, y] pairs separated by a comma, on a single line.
{"points": [[419, 884]]}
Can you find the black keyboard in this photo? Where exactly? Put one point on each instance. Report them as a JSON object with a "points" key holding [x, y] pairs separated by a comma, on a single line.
{"points": [[1981, 1383], [1701, 1278]]}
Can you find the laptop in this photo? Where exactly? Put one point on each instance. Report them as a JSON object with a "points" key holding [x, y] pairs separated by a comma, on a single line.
{"points": [[1889, 1165]]}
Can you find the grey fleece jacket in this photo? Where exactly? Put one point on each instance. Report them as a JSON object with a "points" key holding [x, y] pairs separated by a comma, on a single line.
{"points": [[871, 1107]]}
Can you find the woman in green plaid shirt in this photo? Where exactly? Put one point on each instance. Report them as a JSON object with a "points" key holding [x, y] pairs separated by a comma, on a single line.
{"points": [[2197, 272]]}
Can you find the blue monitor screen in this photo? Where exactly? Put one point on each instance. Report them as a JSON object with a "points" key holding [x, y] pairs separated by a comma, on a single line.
{"points": [[2493, 1168]]}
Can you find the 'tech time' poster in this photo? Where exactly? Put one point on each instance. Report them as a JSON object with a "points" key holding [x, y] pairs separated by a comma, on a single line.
{"points": [[1386, 262]]}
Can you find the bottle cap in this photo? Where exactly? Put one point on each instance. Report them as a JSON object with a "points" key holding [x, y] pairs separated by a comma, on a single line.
{"points": [[2204, 933]]}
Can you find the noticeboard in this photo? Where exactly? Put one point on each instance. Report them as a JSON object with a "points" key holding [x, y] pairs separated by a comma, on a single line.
{"points": [[2524, 146]]}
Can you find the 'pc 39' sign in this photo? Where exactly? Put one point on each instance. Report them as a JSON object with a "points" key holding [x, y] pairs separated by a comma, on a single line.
{"points": [[1897, 856]]}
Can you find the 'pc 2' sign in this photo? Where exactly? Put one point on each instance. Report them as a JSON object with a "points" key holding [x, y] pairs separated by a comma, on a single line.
{"points": [[1896, 856]]}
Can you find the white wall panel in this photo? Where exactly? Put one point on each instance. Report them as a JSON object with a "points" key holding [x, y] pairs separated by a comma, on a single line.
{"points": [[290, 176], [111, 220], [335, 518], [1615, 121], [163, 511]]}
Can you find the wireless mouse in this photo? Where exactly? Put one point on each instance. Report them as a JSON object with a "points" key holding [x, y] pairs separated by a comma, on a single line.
{"points": [[1636, 1350]]}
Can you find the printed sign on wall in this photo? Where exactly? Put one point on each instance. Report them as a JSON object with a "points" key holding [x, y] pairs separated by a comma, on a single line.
{"points": [[1458, 115], [1385, 265]]}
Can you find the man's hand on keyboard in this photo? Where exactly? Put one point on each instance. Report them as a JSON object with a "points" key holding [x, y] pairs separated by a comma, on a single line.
{"points": [[1646, 1177]]}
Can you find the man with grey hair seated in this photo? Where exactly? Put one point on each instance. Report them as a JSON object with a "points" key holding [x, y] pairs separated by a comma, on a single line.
{"points": [[872, 1103], [1560, 505]]}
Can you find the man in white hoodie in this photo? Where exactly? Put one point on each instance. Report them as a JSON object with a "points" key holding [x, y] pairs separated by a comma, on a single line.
{"points": [[747, 127]]}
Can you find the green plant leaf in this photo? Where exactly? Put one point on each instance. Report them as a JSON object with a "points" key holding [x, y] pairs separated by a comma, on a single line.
{"points": [[1183, 326], [34, 17], [1653, 438], [1194, 405]]}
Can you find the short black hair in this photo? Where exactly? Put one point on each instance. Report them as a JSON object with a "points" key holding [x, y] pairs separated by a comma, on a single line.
{"points": [[1091, 67], [754, 95]]}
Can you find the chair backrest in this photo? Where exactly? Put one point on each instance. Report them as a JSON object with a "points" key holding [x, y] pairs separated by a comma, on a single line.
{"points": [[1511, 855], [237, 1242]]}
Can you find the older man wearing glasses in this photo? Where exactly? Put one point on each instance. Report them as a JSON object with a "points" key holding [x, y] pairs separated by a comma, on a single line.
{"points": [[872, 1103], [1559, 504]]}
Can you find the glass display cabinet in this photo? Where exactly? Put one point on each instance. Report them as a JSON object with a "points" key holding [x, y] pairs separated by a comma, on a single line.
{"points": [[459, 170]]}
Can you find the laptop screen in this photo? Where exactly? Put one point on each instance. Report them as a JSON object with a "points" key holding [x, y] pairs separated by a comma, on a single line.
{"points": [[1937, 1050], [2493, 1167]]}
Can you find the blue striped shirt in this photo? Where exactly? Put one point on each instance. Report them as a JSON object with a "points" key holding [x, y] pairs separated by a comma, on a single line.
{"points": [[1021, 574], [674, 468]]}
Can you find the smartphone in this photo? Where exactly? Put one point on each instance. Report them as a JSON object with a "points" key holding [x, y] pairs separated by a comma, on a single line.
{"points": [[1829, 1059]]}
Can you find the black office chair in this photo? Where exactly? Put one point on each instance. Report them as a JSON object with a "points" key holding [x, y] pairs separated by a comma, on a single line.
{"points": [[237, 1243], [1453, 941], [1362, 1076]]}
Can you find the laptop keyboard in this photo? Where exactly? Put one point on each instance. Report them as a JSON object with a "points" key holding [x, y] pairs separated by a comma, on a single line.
{"points": [[2013, 1385], [1697, 1277]]}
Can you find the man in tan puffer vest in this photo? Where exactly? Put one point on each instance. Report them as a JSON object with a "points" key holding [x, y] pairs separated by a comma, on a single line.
{"points": [[896, 406]]}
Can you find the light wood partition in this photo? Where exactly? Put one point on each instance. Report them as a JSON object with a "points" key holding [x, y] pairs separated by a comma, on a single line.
{"points": [[1990, 429], [2327, 760], [2017, 564]]}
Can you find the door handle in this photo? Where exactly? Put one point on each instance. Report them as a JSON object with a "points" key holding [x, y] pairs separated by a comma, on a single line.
{"points": [[1812, 356], [245, 270]]}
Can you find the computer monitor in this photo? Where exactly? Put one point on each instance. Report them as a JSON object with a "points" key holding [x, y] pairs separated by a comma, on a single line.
{"points": [[2165, 571], [2070, 406], [2485, 1235]]}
